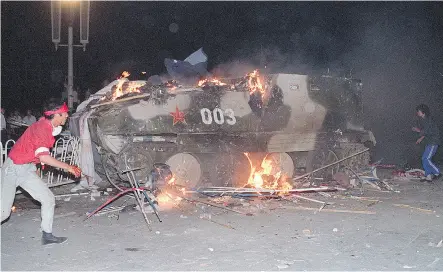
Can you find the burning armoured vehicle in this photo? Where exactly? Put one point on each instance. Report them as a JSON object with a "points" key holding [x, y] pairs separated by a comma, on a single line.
{"points": [[230, 132]]}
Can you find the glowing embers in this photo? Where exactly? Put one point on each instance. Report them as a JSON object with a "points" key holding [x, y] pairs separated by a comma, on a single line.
{"points": [[171, 84], [210, 82], [165, 197], [267, 175]]}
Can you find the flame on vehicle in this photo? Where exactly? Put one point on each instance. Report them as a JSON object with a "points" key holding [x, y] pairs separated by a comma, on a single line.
{"points": [[255, 83], [130, 87], [261, 176], [171, 84], [210, 81], [124, 74]]}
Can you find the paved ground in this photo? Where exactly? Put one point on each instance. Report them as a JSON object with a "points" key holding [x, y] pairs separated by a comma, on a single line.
{"points": [[396, 237]]}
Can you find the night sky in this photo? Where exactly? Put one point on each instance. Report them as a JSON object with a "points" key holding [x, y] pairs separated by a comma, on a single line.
{"points": [[396, 48]]}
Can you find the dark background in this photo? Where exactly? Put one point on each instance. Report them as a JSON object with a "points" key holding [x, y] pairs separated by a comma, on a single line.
{"points": [[396, 48]]}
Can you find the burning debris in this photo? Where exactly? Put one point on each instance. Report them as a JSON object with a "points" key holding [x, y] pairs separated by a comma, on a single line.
{"points": [[210, 82], [172, 84], [262, 177], [126, 87], [124, 74]]}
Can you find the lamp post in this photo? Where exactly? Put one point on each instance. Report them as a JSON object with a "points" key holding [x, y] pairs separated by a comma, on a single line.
{"points": [[56, 15]]}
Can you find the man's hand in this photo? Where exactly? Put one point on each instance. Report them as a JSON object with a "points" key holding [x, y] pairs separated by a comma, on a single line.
{"points": [[419, 140], [416, 129], [75, 170]]}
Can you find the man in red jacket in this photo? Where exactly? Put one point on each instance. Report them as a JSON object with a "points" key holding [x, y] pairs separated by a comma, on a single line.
{"points": [[19, 169]]}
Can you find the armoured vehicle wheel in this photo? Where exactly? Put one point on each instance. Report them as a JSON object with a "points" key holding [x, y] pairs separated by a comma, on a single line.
{"points": [[226, 169], [323, 158], [282, 162], [356, 162], [138, 158], [110, 168], [186, 168]]}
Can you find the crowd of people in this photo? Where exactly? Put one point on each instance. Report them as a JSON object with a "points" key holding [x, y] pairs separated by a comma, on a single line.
{"points": [[14, 122]]}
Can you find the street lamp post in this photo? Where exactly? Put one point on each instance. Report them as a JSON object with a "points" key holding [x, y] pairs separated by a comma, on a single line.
{"points": [[84, 38], [70, 68]]}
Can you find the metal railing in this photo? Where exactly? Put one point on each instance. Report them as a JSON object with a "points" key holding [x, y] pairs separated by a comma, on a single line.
{"points": [[65, 149], [4, 150]]}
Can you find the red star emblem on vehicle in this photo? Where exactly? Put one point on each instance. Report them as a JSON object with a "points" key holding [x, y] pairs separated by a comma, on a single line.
{"points": [[178, 116]]}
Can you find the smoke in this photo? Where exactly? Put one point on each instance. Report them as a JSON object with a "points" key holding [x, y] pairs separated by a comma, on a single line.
{"points": [[398, 60], [269, 60], [394, 48]]}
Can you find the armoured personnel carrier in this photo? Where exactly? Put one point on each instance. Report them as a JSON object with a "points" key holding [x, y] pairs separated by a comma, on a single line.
{"points": [[218, 130]]}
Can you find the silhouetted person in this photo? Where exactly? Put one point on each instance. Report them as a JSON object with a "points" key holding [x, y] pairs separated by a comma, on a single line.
{"points": [[29, 119], [430, 133]]}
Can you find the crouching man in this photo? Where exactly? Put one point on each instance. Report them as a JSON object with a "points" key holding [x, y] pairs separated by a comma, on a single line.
{"points": [[19, 169], [430, 133]]}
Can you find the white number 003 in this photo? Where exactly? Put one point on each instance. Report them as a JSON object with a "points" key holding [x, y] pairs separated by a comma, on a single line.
{"points": [[218, 116]]}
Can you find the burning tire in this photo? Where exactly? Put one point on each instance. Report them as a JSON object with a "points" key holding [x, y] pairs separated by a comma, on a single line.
{"points": [[234, 171], [186, 168], [282, 162]]}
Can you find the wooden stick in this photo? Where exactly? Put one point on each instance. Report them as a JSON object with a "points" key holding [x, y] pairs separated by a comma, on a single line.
{"points": [[329, 165], [313, 200], [413, 208], [361, 198], [109, 211], [316, 201], [389, 187], [260, 190], [214, 205], [52, 185], [372, 184], [62, 183], [322, 206], [120, 100], [218, 223], [324, 194], [326, 210], [207, 219], [73, 194], [64, 215]]}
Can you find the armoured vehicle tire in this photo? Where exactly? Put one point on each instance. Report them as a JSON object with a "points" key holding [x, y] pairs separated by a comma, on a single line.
{"points": [[187, 169], [284, 161], [323, 157], [108, 166]]}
